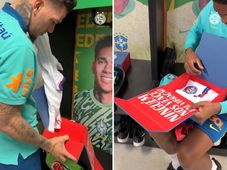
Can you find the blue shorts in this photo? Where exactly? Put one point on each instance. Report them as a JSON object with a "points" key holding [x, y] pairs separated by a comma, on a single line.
{"points": [[215, 127], [30, 163]]}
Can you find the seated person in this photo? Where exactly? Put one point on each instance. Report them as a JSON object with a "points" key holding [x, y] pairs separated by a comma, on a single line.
{"points": [[192, 152]]}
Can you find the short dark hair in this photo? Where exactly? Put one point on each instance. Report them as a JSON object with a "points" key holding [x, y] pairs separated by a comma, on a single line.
{"points": [[103, 43], [69, 4], [221, 1]]}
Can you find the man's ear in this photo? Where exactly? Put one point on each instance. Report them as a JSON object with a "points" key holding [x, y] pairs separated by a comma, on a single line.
{"points": [[37, 6]]}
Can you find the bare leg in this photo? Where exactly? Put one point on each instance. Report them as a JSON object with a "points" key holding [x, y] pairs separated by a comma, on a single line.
{"points": [[204, 163], [192, 151], [166, 141]]}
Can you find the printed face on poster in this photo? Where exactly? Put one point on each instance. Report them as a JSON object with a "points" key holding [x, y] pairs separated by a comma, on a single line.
{"points": [[93, 77]]}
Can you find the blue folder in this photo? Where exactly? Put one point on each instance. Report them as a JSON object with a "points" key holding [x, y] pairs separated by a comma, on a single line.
{"points": [[41, 102], [212, 51]]}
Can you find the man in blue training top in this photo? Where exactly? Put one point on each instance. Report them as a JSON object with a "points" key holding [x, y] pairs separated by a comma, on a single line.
{"points": [[19, 137], [191, 153]]}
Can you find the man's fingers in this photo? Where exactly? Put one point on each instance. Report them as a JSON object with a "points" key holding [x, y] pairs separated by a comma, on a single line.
{"points": [[66, 153], [195, 68], [64, 138], [70, 156], [62, 159], [199, 64], [59, 158], [188, 69], [195, 105]]}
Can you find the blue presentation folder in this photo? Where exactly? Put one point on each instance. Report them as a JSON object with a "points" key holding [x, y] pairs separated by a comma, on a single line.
{"points": [[212, 51]]}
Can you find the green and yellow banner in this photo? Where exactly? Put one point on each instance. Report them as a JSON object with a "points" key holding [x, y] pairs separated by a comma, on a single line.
{"points": [[87, 34]]}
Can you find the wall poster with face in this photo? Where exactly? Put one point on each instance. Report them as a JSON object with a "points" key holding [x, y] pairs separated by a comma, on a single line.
{"points": [[93, 75], [87, 34]]}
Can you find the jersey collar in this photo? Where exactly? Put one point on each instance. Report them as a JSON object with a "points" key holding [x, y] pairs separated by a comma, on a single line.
{"points": [[11, 11]]}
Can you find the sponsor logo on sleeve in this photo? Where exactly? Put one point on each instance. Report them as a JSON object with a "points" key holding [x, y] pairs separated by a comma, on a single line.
{"points": [[16, 82]]}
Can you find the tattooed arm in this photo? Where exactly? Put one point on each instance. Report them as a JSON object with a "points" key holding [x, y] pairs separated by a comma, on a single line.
{"points": [[15, 126]]}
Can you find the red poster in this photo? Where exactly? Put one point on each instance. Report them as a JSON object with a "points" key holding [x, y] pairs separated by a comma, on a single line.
{"points": [[78, 140], [163, 108]]}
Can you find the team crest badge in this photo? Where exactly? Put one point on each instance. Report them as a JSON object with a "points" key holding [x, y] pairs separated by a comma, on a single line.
{"points": [[121, 42], [190, 90], [101, 127], [214, 18]]}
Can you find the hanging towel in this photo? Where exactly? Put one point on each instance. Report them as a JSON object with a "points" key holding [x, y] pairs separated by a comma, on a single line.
{"points": [[53, 80]]}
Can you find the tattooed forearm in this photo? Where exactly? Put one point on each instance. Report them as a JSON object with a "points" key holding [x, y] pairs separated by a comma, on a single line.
{"points": [[15, 126], [45, 144], [25, 10]]}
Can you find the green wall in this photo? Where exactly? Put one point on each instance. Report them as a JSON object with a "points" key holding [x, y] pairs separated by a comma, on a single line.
{"points": [[81, 4], [177, 3]]}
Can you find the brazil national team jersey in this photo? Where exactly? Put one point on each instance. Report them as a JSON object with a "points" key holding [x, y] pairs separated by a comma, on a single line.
{"points": [[208, 21], [97, 117], [17, 75]]}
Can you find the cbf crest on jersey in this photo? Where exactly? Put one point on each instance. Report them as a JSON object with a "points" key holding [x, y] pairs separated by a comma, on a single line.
{"points": [[101, 127], [190, 90], [214, 18], [121, 42]]}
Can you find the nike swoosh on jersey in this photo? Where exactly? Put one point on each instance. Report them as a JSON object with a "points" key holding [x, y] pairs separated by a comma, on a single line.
{"points": [[211, 126]]}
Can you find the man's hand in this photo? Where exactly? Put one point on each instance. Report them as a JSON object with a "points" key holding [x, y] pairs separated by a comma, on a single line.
{"points": [[192, 63], [58, 148], [205, 110], [15, 126]]}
